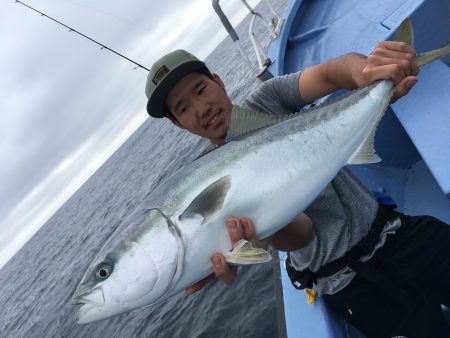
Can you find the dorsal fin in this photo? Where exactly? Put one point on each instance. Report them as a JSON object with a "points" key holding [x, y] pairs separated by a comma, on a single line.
{"points": [[405, 32]]}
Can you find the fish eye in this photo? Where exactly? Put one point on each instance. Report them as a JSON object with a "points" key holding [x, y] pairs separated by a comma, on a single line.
{"points": [[103, 271]]}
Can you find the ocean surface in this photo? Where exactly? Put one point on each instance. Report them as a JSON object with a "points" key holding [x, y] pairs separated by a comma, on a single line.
{"points": [[37, 284]]}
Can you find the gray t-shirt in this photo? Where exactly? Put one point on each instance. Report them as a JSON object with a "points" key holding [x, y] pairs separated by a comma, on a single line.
{"points": [[343, 212]]}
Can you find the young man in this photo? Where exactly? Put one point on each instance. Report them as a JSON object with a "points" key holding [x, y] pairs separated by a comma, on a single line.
{"points": [[383, 289]]}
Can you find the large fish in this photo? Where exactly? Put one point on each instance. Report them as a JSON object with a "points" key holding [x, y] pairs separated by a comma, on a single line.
{"points": [[270, 175]]}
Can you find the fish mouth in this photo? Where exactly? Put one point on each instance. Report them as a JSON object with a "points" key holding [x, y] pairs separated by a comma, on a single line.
{"points": [[87, 313], [91, 305], [93, 297]]}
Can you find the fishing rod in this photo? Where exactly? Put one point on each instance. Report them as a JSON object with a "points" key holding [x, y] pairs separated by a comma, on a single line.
{"points": [[84, 36]]}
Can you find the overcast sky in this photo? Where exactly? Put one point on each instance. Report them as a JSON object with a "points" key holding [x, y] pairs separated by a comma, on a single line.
{"points": [[67, 105]]}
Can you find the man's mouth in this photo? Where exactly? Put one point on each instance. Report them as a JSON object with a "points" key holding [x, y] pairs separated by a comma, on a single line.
{"points": [[213, 119]]}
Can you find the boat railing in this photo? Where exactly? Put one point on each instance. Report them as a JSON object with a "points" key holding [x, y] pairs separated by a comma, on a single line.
{"points": [[273, 25]]}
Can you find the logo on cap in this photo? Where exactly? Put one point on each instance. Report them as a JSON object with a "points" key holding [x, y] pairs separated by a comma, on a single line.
{"points": [[160, 75]]}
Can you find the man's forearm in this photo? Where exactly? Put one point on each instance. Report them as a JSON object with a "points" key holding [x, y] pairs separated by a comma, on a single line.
{"points": [[295, 235], [346, 71], [389, 60], [325, 78]]}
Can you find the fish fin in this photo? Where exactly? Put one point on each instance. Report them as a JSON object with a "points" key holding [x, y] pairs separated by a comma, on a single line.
{"points": [[366, 152], [244, 253], [208, 202], [428, 57], [405, 32]]}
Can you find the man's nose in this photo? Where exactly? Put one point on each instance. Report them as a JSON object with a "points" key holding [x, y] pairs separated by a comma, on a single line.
{"points": [[203, 109]]}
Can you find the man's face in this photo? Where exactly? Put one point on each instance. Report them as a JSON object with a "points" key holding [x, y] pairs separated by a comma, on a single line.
{"points": [[201, 105]]}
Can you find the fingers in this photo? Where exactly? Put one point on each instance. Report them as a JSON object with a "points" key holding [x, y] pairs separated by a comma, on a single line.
{"points": [[241, 228], [221, 269], [200, 284], [225, 272], [392, 72], [249, 230], [395, 48], [397, 53], [403, 87], [238, 228], [235, 229], [395, 61], [404, 62]]}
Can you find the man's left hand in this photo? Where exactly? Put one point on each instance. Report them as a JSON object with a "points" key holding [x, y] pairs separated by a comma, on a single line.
{"points": [[391, 60]]}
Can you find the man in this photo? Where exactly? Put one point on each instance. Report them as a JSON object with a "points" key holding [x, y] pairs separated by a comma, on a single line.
{"points": [[344, 215]]}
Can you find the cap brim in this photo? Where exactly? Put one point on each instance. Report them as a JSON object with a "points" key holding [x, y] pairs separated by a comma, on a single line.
{"points": [[156, 105]]}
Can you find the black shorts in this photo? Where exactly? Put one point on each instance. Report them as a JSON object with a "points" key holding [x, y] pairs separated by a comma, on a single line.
{"points": [[416, 262]]}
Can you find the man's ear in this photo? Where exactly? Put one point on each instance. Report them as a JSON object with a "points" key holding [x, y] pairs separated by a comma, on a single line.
{"points": [[175, 121], [216, 78]]}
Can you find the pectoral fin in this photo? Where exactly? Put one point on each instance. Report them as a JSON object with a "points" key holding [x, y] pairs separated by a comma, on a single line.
{"points": [[244, 253], [208, 202]]}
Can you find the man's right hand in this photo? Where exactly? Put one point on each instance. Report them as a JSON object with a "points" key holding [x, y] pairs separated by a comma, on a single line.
{"points": [[293, 236], [238, 228]]}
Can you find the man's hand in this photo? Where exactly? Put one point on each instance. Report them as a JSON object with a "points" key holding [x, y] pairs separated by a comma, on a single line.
{"points": [[238, 228], [391, 60], [293, 236]]}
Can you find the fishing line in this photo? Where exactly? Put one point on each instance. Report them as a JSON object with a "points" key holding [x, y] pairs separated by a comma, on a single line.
{"points": [[112, 15], [138, 65]]}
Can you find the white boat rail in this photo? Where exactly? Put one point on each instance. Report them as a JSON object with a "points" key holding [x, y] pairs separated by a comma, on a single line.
{"points": [[273, 26]]}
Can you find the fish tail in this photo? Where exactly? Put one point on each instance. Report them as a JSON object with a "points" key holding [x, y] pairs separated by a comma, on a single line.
{"points": [[428, 57], [405, 33]]}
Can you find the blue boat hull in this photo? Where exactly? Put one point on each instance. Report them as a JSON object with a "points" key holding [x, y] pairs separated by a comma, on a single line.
{"points": [[413, 138]]}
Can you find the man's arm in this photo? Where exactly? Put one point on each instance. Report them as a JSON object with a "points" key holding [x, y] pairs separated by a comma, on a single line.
{"points": [[295, 235], [389, 60]]}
